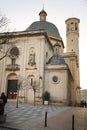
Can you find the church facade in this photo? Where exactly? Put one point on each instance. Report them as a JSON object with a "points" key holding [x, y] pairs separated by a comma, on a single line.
{"points": [[36, 62]]}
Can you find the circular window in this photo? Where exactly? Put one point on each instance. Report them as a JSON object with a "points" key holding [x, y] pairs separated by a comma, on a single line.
{"points": [[14, 52], [55, 79]]}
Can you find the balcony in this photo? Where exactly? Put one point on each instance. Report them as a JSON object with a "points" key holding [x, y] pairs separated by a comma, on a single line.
{"points": [[13, 67]]}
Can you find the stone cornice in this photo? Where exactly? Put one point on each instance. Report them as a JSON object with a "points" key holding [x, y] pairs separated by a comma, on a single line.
{"points": [[10, 35]]}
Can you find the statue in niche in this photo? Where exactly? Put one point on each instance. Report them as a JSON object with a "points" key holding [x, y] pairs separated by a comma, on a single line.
{"points": [[31, 59]]}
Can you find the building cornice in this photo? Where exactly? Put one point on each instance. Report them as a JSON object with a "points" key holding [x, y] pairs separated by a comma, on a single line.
{"points": [[10, 35]]}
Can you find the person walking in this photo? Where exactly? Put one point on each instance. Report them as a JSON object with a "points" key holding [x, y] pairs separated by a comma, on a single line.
{"points": [[1, 107], [3, 101], [4, 98]]}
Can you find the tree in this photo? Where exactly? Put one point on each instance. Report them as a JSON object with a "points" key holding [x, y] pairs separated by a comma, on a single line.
{"points": [[35, 87], [46, 97], [3, 25], [3, 22], [19, 85], [24, 84], [4, 41]]}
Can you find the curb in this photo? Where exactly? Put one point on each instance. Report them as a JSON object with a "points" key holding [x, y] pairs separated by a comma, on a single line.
{"points": [[7, 127]]}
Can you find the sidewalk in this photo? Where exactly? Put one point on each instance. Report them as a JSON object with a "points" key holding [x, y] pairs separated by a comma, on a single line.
{"points": [[63, 120], [30, 117]]}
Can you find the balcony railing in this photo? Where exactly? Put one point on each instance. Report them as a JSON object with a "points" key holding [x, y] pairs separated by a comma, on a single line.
{"points": [[12, 67]]}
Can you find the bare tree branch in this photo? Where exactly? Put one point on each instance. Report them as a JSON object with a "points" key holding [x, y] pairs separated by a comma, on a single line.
{"points": [[5, 54], [3, 22]]}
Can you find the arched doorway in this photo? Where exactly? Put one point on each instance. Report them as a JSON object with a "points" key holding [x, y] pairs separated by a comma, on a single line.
{"points": [[12, 86]]}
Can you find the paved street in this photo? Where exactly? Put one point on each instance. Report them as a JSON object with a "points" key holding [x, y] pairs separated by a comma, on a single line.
{"points": [[30, 117]]}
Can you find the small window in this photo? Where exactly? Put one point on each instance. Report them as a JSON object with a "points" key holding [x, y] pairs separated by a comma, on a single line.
{"points": [[55, 79], [67, 29], [31, 81], [46, 54], [13, 61], [76, 26]]}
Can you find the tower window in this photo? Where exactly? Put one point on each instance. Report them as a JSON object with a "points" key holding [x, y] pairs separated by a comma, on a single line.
{"points": [[46, 54], [67, 29], [72, 23], [76, 26]]}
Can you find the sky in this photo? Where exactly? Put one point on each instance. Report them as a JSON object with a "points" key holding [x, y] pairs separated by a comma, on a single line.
{"points": [[21, 13]]}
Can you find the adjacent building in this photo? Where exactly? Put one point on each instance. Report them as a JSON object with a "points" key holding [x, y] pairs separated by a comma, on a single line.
{"points": [[84, 95]]}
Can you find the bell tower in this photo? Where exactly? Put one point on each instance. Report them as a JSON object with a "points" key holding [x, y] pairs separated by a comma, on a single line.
{"points": [[72, 35], [72, 45]]}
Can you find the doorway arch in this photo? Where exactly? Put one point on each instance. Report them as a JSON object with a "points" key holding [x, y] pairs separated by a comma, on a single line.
{"points": [[12, 81]]}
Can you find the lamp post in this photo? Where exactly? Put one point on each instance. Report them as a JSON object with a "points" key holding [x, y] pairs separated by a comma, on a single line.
{"points": [[17, 97]]}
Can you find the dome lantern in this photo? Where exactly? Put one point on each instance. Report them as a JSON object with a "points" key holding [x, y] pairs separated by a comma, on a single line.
{"points": [[43, 15]]}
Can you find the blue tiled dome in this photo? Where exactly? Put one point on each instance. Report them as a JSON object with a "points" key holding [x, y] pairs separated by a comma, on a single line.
{"points": [[56, 59], [48, 27]]}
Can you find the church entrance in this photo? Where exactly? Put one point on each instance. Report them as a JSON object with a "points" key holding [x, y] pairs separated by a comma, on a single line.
{"points": [[12, 86], [12, 89]]}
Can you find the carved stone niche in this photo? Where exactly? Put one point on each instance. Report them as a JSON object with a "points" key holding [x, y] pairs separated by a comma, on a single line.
{"points": [[32, 59]]}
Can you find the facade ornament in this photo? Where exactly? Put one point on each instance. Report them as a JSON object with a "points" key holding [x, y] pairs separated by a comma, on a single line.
{"points": [[31, 59]]}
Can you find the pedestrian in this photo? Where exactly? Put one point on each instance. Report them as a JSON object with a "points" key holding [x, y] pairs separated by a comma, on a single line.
{"points": [[4, 98], [85, 104], [3, 101], [1, 107]]}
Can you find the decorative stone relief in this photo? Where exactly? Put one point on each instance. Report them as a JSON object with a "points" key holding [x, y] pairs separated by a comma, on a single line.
{"points": [[31, 59]]}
